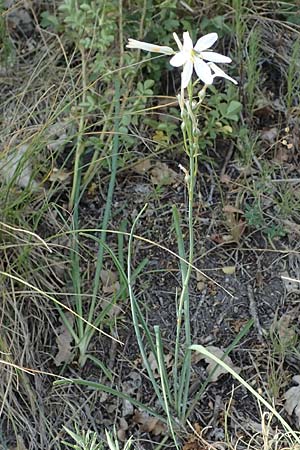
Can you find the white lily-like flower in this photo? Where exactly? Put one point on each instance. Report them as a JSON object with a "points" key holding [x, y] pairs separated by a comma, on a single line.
{"points": [[191, 57], [132, 43], [217, 72]]}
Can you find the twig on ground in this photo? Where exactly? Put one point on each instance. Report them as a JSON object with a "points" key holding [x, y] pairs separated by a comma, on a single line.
{"points": [[253, 311]]}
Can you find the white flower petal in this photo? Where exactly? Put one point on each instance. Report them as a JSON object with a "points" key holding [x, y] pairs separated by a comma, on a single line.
{"points": [[186, 74], [179, 59], [220, 73], [215, 57], [132, 43], [205, 42], [177, 41], [187, 42], [203, 71], [229, 78]]}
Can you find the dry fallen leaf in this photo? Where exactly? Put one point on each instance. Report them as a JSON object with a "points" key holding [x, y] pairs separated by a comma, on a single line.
{"points": [[161, 174], [64, 340], [222, 238], [142, 167], [228, 270], [270, 135], [131, 387], [232, 209], [148, 424], [201, 281], [193, 442], [59, 175], [235, 224], [110, 282], [283, 328], [123, 427], [16, 163], [216, 351], [225, 178], [201, 286], [292, 399], [127, 408], [153, 363]]}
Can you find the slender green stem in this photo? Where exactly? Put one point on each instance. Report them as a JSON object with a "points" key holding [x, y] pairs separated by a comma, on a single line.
{"points": [[190, 137], [164, 382], [162, 368], [87, 332], [80, 144], [107, 211], [111, 391], [183, 269], [136, 317], [93, 164], [74, 206]]}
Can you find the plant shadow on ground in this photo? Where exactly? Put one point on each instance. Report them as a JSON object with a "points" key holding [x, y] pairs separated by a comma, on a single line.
{"points": [[246, 225]]}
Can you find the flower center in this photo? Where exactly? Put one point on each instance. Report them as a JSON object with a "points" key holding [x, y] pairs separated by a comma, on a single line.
{"points": [[192, 55]]}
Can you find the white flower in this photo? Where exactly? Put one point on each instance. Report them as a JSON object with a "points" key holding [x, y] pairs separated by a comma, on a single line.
{"points": [[132, 43], [220, 73], [191, 57]]}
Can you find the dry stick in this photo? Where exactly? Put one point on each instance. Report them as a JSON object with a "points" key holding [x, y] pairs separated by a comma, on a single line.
{"points": [[253, 310]]}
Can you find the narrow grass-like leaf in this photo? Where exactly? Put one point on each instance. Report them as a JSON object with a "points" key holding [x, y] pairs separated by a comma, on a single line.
{"points": [[109, 197], [244, 331], [162, 365], [148, 241], [103, 388], [123, 277], [183, 269], [101, 365], [121, 256], [203, 351], [135, 317], [55, 301], [164, 382]]}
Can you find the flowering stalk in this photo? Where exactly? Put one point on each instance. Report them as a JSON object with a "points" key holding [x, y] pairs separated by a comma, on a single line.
{"points": [[191, 135], [200, 59]]}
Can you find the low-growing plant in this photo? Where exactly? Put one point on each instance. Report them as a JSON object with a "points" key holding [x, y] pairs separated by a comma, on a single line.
{"points": [[88, 440], [220, 118]]}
